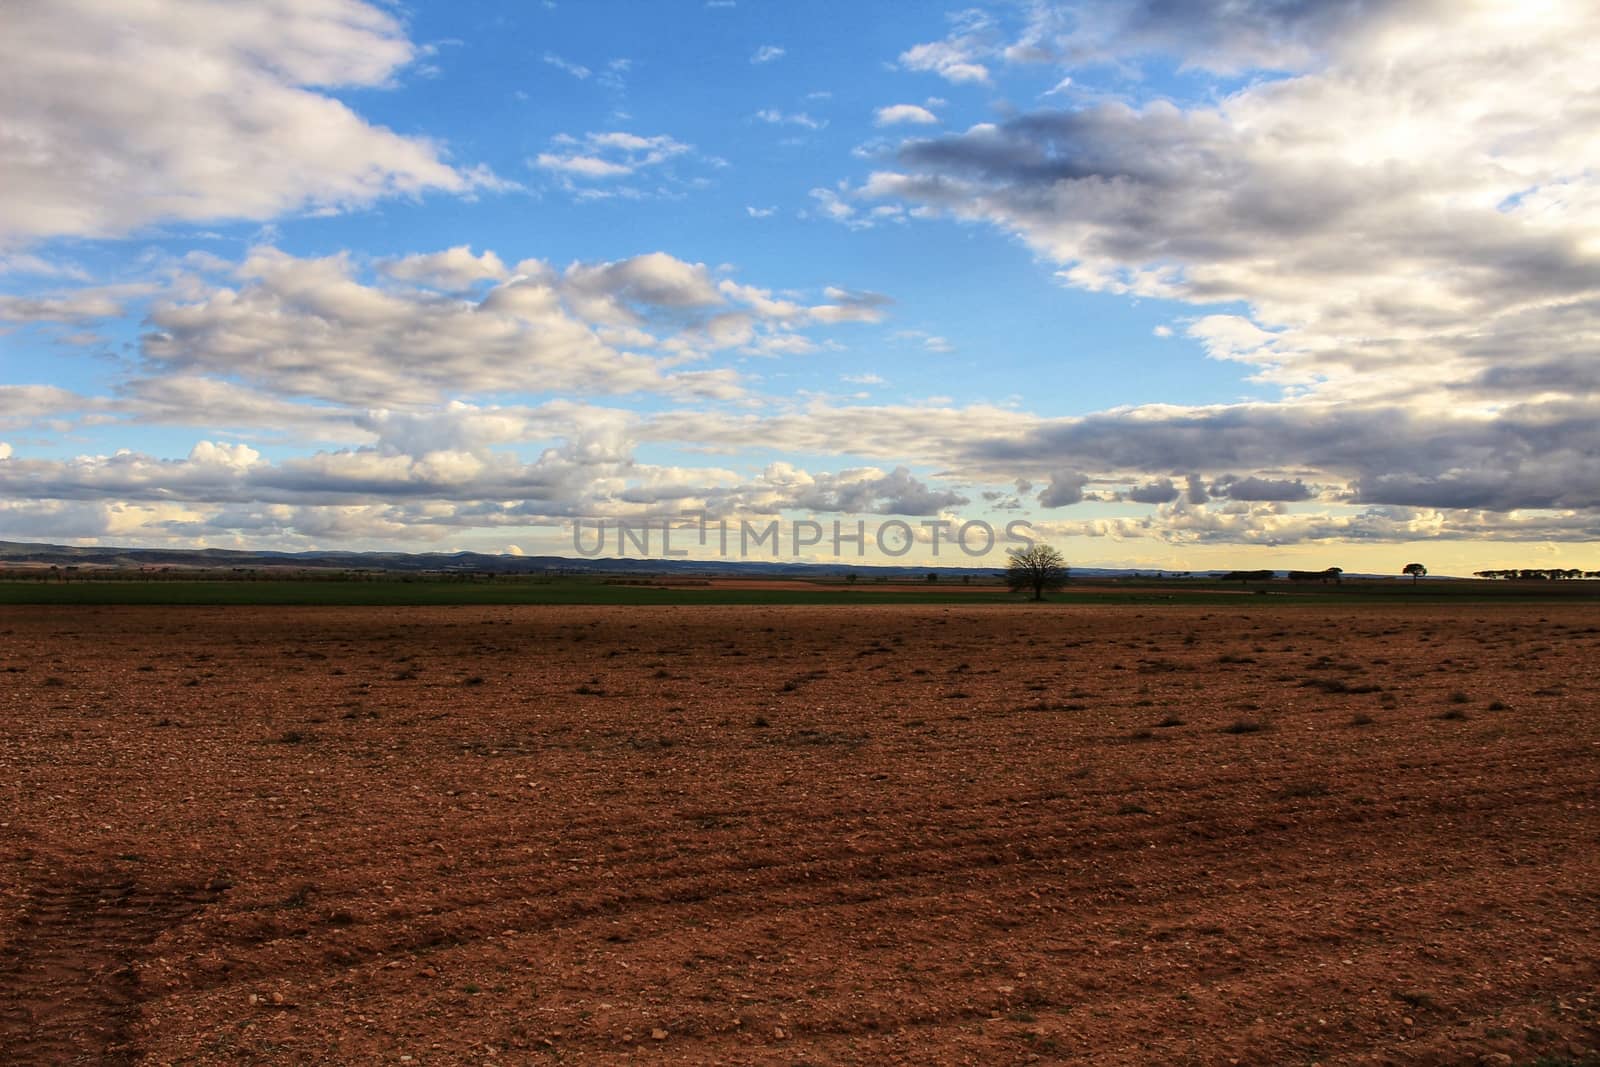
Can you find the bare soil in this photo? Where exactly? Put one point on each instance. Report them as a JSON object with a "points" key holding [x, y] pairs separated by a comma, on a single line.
{"points": [[877, 834]]}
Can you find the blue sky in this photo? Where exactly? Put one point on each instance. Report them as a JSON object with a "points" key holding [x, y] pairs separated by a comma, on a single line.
{"points": [[1225, 284]]}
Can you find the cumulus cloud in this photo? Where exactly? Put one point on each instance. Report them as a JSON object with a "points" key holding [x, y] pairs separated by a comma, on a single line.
{"points": [[847, 305], [1537, 457], [583, 164], [72, 307], [1219, 36], [28, 264], [1159, 491], [1384, 476], [103, 136], [454, 269], [22, 405], [899, 114], [1066, 487], [427, 477], [1275, 526], [561, 481], [836, 207], [1530, 457], [1449, 246], [1395, 217], [1256, 487], [616, 292], [959, 57], [220, 406], [766, 54], [324, 328], [866, 490]]}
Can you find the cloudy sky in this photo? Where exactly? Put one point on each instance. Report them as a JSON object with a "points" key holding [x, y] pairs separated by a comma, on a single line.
{"points": [[1219, 283]]}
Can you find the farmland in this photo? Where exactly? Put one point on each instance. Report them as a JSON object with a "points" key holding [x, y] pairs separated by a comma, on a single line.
{"points": [[108, 587], [1253, 829]]}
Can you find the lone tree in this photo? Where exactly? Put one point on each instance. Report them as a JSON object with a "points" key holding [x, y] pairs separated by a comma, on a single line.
{"points": [[1037, 567], [1416, 570]]}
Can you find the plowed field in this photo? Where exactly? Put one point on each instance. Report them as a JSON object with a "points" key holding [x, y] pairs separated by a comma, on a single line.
{"points": [[896, 834]]}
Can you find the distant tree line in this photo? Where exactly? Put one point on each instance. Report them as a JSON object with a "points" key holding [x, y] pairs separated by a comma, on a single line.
{"points": [[1331, 574], [1538, 574]]}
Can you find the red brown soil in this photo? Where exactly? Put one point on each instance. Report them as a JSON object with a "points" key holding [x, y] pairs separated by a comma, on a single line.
{"points": [[880, 834]]}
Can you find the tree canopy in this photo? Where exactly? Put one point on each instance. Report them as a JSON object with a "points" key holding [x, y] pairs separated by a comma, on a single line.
{"points": [[1037, 567]]}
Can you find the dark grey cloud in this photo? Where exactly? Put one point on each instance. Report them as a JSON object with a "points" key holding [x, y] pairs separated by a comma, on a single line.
{"points": [[1066, 487], [1534, 456], [1258, 488], [1218, 35], [1160, 491]]}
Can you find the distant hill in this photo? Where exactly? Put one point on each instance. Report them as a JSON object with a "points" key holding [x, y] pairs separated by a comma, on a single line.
{"points": [[213, 559]]}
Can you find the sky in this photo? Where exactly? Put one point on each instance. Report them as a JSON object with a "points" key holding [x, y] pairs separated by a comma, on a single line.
{"points": [[1226, 283]]}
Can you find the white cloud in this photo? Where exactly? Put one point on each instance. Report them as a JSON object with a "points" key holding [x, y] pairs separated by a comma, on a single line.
{"points": [[950, 61], [582, 166], [431, 327], [781, 344], [580, 162], [834, 205], [1448, 251], [622, 291], [900, 114], [454, 270], [237, 457], [74, 307], [577, 70], [313, 328], [1379, 476], [767, 53], [26, 263], [1404, 235], [113, 119], [959, 58], [930, 342], [774, 117], [761, 300]]}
